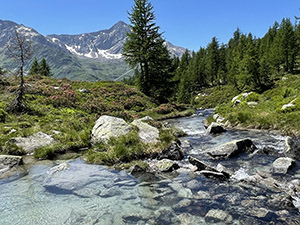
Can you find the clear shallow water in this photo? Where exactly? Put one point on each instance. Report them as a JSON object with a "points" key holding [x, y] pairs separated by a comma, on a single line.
{"points": [[92, 194]]}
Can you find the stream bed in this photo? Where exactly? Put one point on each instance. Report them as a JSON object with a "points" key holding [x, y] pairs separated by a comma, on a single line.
{"points": [[94, 194]]}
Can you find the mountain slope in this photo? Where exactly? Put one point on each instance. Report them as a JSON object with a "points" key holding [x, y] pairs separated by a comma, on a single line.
{"points": [[90, 56]]}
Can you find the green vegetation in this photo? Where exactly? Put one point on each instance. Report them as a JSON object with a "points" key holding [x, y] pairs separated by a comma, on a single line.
{"points": [[275, 109], [245, 62], [67, 110], [146, 52], [42, 68], [128, 148]]}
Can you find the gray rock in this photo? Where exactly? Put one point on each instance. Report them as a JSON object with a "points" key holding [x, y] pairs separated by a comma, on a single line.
{"points": [[260, 212], [282, 164], [216, 215], [215, 128], [200, 164], [232, 149], [293, 147], [147, 133], [212, 174], [222, 169], [7, 163], [32, 142], [185, 193], [202, 195], [166, 165], [173, 152], [137, 169], [240, 175], [10, 160], [107, 127], [193, 184]]}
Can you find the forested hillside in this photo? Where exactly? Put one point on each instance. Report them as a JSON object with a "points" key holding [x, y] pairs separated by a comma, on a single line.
{"points": [[246, 62]]}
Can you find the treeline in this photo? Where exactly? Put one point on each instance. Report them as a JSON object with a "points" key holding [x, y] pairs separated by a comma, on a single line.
{"points": [[247, 62]]}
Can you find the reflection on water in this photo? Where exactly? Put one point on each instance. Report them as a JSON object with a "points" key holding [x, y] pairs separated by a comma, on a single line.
{"points": [[92, 194]]}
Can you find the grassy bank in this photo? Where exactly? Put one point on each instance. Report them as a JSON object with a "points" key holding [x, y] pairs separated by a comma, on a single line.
{"points": [[67, 110], [262, 111]]}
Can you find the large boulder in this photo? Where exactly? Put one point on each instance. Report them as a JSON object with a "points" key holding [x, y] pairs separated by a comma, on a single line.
{"points": [[282, 164], [232, 149], [32, 142], [107, 127], [215, 128], [173, 152], [147, 133]]}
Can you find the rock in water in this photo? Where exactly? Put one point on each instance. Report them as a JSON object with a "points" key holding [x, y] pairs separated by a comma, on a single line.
{"points": [[232, 149], [32, 142], [216, 215], [281, 165], [7, 162], [147, 133], [293, 147], [200, 165], [173, 152], [166, 165], [215, 128], [107, 127]]}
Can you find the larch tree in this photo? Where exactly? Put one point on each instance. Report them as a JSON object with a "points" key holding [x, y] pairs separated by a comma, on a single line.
{"points": [[146, 51], [20, 50]]}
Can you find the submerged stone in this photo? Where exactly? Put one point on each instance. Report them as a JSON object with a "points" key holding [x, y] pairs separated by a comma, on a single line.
{"points": [[216, 215]]}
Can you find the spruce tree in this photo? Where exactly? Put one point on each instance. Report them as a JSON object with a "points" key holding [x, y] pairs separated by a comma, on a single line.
{"points": [[145, 50], [213, 60], [34, 69], [44, 68]]}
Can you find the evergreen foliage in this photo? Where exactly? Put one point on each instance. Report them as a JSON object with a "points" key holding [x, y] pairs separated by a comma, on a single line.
{"points": [[146, 51], [246, 62], [41, 68]]}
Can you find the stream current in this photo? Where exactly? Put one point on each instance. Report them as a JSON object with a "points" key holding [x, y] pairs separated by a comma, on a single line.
{"points": [[95, 194]]}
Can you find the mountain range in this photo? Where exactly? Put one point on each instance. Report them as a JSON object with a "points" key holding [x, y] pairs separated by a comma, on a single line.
{"points": [[89, 56]]}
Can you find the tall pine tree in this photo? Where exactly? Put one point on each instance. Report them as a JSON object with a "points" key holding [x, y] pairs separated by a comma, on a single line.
{"points": [[145, 50]]}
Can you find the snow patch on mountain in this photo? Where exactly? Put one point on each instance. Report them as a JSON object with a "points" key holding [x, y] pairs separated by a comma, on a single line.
{"points": [[27, 32]]}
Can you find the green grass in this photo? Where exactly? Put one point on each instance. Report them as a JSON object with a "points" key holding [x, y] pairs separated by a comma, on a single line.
{"points": [[57, 107], [268, 114], [212, 97]]}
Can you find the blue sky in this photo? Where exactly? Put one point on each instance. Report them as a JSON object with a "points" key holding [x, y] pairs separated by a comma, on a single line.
{"points": [[186, 23]]}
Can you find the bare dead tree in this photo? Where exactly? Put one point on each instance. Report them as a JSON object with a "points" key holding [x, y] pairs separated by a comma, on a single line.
{"points": [[20, 50]]}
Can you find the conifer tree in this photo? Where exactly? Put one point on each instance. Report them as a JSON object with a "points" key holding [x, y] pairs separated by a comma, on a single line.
{"points": [[44, 68], [213, 60], [145, 50], [34, 69]]}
